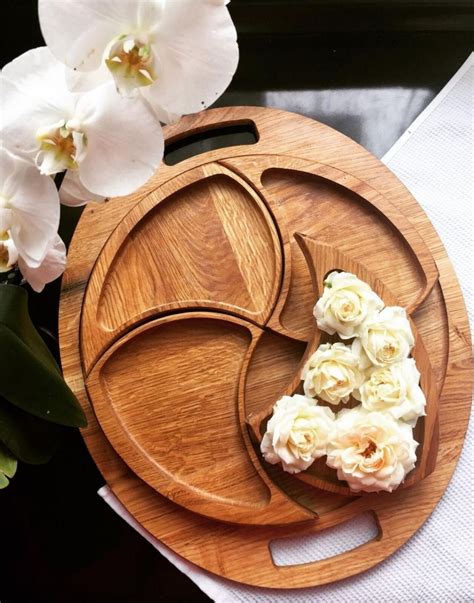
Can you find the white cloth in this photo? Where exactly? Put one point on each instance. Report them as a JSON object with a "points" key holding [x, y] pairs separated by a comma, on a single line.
{"points": [[434, 160]]}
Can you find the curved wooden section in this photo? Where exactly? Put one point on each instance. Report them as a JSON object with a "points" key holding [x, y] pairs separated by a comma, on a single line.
{"points": [[203, 240], [166, 396], [236, 551], [322, 259], [338, 209]]}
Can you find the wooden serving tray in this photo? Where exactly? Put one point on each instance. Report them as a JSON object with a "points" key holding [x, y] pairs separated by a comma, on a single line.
{"points": [[187, 312]]}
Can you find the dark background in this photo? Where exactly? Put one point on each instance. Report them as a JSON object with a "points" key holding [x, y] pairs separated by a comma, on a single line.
{"points": [[365, 68]]}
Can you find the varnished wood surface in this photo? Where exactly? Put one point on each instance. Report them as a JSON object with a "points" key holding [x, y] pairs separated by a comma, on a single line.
{"points": [[242, 553], [322, 259], [204, 239], [166, 396], [213, 238]]}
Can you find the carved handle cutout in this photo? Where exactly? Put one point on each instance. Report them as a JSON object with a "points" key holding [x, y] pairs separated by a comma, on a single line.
{"points": [[211, 138], [323, 545]]}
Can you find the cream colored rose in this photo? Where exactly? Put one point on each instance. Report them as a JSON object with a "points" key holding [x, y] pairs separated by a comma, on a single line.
{"points": [[372, 451], [332, 373], [297, 433], [394, 389], [345, 304], [385, 337]]}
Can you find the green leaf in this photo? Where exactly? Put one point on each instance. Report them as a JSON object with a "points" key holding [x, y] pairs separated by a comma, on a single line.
{"points": [[29, 439], [8, 462], [29, 376], [14, 315], [4, 481]]}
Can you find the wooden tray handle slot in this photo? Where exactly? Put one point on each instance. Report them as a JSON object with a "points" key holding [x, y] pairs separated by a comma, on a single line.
{"points": [[342, 565], [209, 137], [351, 533]]}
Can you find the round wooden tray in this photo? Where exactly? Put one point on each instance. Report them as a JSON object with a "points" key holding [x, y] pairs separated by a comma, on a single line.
{"points": [[186, 312]]}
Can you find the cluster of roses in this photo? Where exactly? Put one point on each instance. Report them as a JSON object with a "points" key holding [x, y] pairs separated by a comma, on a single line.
{"points": [[371, 446]]}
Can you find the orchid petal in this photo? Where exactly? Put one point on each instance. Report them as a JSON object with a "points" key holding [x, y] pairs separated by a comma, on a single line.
{"points": [[33, 95], [124, 142], [196, 55], [149, 13], [49, 165], [34, 204], [165, 117], [78, 31], [83, 81], [6, 217], [52, 266], [74, 193]]}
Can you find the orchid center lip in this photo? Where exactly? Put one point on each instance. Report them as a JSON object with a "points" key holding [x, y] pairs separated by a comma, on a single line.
{"points": [[62, 147], [131, 61], [8, 252], [4, 257]]}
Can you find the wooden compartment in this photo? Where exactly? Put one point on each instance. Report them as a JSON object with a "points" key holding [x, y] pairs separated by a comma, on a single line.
{"points": [[187, 311]]}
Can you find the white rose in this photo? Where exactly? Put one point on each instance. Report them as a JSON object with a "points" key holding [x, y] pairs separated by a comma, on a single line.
{"points": [[345, 304], [332, 373], [385, 337], [297, 433], [372, 451], [395, 389]]}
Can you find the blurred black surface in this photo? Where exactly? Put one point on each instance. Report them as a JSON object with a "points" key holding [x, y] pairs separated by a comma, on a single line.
{"points": [[367, 69]]}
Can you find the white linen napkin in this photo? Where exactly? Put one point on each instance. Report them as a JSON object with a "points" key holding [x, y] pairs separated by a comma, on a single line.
{"points": [[434, 160]]}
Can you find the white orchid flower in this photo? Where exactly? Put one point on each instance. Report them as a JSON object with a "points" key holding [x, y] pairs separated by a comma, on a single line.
{"points": [[179, 54], [29, 211], [114, 144], [49, 269], [73, 193]]}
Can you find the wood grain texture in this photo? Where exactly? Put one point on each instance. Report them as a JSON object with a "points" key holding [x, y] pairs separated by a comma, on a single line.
{"points": [[239, 552], [334, 207], [321, 260], [166, 396], [204, 239]]}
